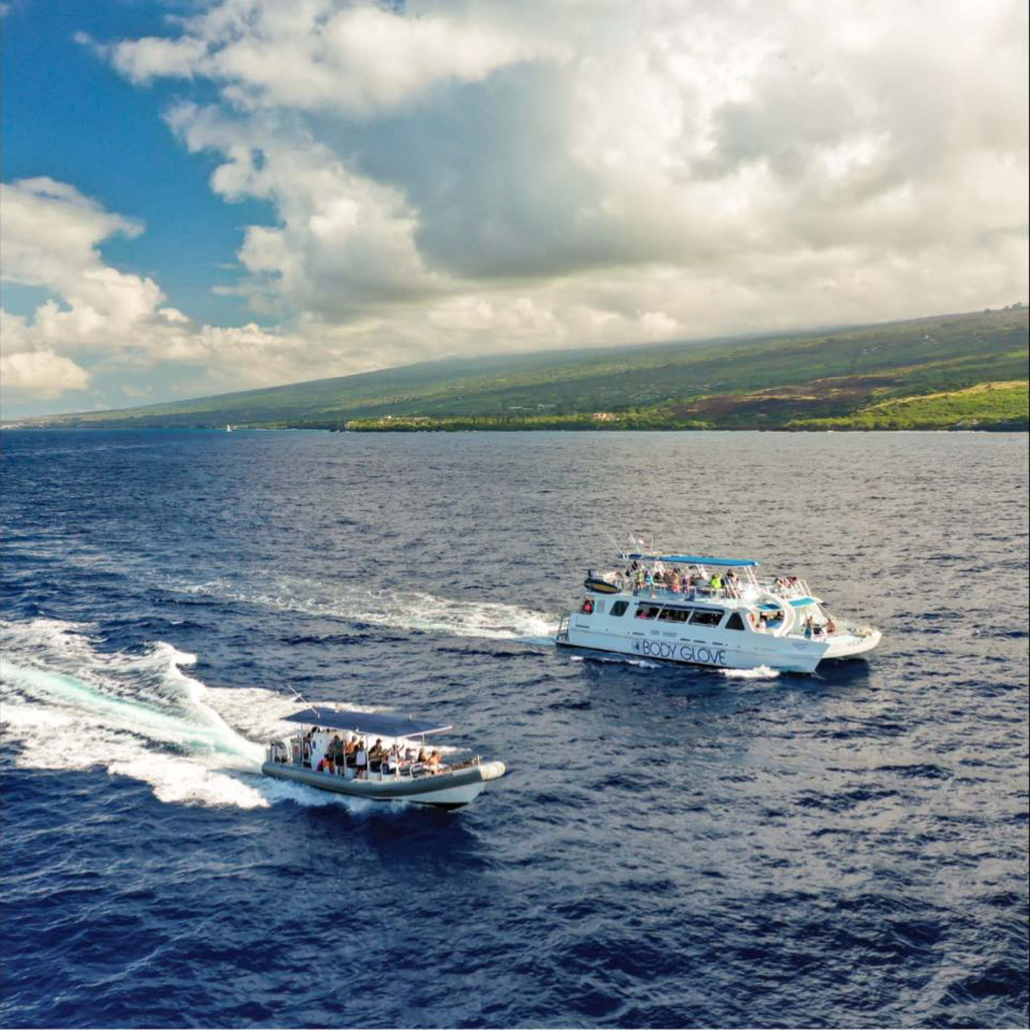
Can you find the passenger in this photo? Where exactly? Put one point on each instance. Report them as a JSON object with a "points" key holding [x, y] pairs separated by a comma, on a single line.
{"points": [[433, 762], [336, 753], [421, 757], [376, 756], [732, 583], [361, 761], [715, 582], [325, 764], [808, 626], [639, 579], [350, 752], [831, 626]]}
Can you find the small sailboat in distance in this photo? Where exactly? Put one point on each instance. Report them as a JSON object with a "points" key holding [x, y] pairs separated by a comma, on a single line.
{"points": [[228, 428]]}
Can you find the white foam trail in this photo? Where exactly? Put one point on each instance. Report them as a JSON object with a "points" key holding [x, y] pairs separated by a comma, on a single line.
{"points": [[640, 662], [761, 672], [412, 610], [66, 705]]}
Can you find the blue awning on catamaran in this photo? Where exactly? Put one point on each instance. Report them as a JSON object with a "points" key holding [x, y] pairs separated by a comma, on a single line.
{"points": [[377, 723], [694, 559]]}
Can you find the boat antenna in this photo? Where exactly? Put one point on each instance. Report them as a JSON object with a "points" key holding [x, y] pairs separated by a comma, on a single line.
{"points": [[296, 693]]}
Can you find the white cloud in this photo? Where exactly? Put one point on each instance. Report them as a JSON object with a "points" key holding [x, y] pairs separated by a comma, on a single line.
{"points": [[103, 319], [356, 59], [497, 176], [42, 374], [414, 157], [49, 237]]}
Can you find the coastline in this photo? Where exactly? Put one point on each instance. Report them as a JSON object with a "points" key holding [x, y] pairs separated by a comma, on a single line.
{"points": [[1000, 427]]}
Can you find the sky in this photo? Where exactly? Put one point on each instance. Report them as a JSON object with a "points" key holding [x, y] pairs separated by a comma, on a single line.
{"points": [[201, 196]]}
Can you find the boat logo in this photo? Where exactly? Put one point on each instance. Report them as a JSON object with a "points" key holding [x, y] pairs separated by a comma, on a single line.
{"points": [[681, 652]]}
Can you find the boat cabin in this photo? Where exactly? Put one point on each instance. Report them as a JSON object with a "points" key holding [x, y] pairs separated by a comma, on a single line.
{"points": [[702, 591]]}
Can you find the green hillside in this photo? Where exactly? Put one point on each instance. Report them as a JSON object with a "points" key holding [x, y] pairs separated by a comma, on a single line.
{"points": [[989, 405], [794, 380]]}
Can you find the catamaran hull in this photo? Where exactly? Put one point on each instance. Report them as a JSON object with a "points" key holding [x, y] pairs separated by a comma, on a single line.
{"points": [[445, 790], [784, 654], [795, 656]]}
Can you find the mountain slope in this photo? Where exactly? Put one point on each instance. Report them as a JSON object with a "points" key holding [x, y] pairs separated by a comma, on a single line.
{"points": [[768, 382]]}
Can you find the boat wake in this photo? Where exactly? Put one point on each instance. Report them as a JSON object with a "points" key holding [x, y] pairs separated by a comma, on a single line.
{"points": [[615, 660], [414, 610], [762, 672], [68, 705]]}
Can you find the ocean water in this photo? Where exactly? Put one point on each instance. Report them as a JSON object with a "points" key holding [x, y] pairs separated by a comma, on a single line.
{"points": [[670, 847]]}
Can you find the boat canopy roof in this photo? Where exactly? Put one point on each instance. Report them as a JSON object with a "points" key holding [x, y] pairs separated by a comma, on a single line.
{"points": [[368, 722], [695, 559]]}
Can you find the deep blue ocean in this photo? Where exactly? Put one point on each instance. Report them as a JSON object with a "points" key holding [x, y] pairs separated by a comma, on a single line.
{"points": [[670, 847]]}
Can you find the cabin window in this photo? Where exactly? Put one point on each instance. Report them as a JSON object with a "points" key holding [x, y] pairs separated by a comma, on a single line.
{"points": [[648, 611], [599, 607], [674, 615], [705, 618], [619, 608], [734, 621]]}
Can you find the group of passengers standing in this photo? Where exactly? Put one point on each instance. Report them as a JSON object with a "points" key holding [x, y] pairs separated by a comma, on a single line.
{"points": [[650, 578], [350, 752]]}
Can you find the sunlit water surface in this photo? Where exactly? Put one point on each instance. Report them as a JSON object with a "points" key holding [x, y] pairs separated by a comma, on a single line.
{"points": [[671, 847]]}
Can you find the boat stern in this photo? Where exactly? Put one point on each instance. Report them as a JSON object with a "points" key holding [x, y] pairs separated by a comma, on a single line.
{"points": [[491, 770], [854, 643]]}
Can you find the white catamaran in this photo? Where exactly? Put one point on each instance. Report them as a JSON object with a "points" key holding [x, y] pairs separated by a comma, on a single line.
{"points": [[336, 753], [708, 611]]}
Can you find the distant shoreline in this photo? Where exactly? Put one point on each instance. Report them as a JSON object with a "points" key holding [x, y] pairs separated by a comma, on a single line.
{"points": [[947, 372], [1017, 427]]}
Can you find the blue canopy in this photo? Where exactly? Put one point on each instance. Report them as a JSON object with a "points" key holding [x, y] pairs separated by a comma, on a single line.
{"points": [[368, 722], [694, 559]]}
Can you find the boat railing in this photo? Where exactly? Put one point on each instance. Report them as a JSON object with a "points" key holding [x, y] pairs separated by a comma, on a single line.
{"points": [[697, 593], [785, 588]]}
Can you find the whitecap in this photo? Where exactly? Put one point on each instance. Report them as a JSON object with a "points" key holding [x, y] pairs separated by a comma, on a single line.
{"points": [[67, 704], [761, 672], [409, 610]]}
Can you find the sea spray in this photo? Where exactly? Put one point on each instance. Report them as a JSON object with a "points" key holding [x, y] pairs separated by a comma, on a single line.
{"points": [[415, 610], [68, 705]]}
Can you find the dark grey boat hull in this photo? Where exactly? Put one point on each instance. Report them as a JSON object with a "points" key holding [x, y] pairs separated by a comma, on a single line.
{"points": [[444, 790]]}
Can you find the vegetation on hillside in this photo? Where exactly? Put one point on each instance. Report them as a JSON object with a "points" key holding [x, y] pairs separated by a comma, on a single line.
{"points": [[791, 380], [453, 423], [987, 406]]}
